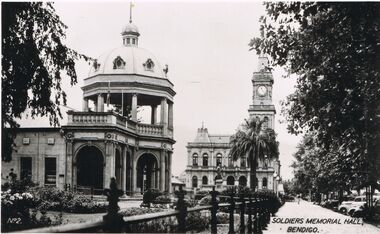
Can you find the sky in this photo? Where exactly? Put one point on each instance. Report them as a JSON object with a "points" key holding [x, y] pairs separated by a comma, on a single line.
{"points": [[206, 48]]}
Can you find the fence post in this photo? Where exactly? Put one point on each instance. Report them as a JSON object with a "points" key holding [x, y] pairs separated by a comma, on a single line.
{"points": [[181, 206], [242, 211], [260, 215], [255, 221], [267, 213], [113, 220], [232, 210], [214, 210], [249, 223]]}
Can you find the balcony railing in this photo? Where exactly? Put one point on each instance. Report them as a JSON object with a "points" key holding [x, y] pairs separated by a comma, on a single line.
{"points": [[149, 129], [113, 119]]}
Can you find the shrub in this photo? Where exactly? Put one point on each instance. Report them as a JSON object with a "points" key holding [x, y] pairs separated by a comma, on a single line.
{"points": [[151, 194], [18, 213], [222, 218], [206, 201], [162, 199], [197, 221], [201, 194], [139, 211], [52, 198], [188, 203]]}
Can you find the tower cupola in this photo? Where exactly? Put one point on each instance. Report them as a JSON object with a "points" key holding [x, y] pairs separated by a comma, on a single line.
{"points": [[130, 32]]}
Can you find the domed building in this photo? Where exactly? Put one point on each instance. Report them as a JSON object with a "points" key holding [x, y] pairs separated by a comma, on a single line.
{"points": [[107, 139]]}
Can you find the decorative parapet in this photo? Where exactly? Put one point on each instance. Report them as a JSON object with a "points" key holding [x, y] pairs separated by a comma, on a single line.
{"points": [[113, 119], [208, 145], [149, 129]]}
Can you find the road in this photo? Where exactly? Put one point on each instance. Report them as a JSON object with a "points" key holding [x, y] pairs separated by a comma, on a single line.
{"points": [[292, 218]]}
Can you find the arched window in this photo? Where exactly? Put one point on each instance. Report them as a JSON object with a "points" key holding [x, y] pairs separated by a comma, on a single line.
{"points": [[265, 183], [195, 182], [204, 180], [205, 160], [242, 181], [118, 63], [230, 180], [219, 159], [243, 162], [195, 159]]}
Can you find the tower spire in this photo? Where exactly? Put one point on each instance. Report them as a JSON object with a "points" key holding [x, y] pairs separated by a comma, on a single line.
{"points": [[130, 11]]}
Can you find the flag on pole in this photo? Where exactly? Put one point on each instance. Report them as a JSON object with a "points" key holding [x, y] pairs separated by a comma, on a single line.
{"points": [[108, 94]]}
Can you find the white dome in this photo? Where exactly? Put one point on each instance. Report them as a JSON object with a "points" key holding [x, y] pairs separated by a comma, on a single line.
{"points": [[127, 60]]}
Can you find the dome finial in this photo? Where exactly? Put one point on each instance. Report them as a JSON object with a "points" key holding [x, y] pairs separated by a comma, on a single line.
{"points": [[131, 5]]}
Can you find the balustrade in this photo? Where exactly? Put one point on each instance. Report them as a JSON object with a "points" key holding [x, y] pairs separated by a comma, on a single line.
{"points": [[149, 129], [109, 118]]}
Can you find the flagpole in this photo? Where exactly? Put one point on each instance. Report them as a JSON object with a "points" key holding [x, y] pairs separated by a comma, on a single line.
{"points": [[122, 102], [130, 12]]}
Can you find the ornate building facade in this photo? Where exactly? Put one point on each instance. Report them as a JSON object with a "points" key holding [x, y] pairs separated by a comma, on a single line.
{"points": [[209, 152], [106, 139]]}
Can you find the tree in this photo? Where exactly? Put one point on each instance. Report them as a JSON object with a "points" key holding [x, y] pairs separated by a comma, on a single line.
{"points": [[255, 142], [333, 48], [33, 59]]}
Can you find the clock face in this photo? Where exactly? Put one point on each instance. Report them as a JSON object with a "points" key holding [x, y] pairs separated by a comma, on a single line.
{"points": [[262, 90]]}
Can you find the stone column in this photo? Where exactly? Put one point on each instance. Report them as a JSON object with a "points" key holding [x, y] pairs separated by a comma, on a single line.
{"points": [[170, 172], [156, 176], [164, 116], [100, 103], [162, 171], [134, 172], [124, 177], [154, 115], [69, 163], [85, 104], [134, 107], [109, 170], [95, 106], [170, 113]]}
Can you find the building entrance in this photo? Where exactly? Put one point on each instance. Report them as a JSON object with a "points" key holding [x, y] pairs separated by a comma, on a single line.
{"points": [[147, 172], [90, 167]]}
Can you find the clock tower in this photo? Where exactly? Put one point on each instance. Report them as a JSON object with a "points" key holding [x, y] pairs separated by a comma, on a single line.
{"points": [[262, 82]]}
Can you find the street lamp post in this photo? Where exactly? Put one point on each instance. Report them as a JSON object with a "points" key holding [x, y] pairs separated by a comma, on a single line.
{"points": [[275, 185]]}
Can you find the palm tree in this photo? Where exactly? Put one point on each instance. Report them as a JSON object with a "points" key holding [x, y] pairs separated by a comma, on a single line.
{"points": [[256, 142]]}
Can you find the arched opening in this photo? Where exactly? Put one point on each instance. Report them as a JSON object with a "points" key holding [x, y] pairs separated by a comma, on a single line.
{"points": [[243, 181], [230, 180], [219, 160], [195, 159], [118, 168], [205, 160], [265, 183], [89, 163], [204, 180], [195, 182], [266, 122], [146, 167]]}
